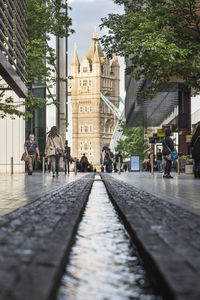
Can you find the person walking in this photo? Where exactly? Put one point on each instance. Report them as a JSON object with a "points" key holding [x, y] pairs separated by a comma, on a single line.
{"points": [[168, 146], [108, 160], [31, 149], [66, 157], [119, 161], [54, 149], [195, 145], [84, 163], [159, 160]]}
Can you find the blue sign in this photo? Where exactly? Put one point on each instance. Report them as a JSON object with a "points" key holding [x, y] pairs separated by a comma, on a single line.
{"points": [[135, 163]]}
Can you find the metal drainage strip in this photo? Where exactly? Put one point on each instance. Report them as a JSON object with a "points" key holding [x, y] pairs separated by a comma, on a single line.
{"points": [[103, 264]]}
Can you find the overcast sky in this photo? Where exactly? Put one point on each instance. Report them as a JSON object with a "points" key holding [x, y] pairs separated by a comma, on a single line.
{"points": [[86, 14]]}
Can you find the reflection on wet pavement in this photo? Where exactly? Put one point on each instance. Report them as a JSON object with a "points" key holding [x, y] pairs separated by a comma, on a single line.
{"points": [[183, 190], [103, 264], [20, 189]]}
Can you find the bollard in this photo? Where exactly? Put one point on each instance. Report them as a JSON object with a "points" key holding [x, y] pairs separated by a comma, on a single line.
{"points": [[43, 165], [178, 166], [11, 164], [119, 165], [152, 164], [75, 167]]}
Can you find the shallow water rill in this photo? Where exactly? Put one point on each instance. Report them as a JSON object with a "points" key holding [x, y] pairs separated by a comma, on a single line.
{"points": [[103, 264]]}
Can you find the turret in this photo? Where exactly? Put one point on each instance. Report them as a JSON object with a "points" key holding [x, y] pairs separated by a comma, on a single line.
{"points": [[75, 64]]}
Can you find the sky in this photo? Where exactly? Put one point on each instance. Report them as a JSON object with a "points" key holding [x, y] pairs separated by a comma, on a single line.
{"points": [[86, 15]]}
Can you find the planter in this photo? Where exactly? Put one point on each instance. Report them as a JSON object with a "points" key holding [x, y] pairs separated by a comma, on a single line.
{"points": [[188, 169]]}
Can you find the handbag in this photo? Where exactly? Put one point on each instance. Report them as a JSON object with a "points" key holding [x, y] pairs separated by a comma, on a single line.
{"points": [[58, 151], [24, 158]]}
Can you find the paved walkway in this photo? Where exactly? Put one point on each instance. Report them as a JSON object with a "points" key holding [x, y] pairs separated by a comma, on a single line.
{"points": [[166, 236], [20, 189], [183, 190]]}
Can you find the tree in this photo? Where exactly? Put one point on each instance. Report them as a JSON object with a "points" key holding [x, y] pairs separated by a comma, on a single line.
{"points": [[44, 19], [162, 39], [132, 142]]}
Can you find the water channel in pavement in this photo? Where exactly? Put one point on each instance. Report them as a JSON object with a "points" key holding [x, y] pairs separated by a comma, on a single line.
{"points": [[103, 264]]}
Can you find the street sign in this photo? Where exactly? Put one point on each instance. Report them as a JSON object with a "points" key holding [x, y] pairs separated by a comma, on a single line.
{"points": [[188, 138], [160, 133], [135, 163]]}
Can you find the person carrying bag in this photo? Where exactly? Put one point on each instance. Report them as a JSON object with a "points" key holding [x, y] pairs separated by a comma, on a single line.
{"points": [[168, 149], [54, 149]]}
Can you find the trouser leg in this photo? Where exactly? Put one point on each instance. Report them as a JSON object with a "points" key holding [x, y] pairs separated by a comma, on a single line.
{"points": [[168, 166], [57, 164], [53, 163], [31, 160]]}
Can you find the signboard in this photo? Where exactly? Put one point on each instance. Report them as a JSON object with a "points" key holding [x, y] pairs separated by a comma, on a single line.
{"points": [[160, 133], [188, 138], [135, 163], [151, 140], [166, 126]]}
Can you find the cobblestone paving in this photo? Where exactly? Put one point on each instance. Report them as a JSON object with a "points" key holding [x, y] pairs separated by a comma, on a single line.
{"points": [[36, 239], [167, 236]]}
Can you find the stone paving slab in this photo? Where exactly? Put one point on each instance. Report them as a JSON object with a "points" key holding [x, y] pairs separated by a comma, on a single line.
{"points": [[167, 238], [36, 239]]}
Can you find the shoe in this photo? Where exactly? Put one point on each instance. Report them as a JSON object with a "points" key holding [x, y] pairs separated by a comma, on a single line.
{"points": [[170, 176], [53, 175], [29, 173], [57, 174], [165, 176]]}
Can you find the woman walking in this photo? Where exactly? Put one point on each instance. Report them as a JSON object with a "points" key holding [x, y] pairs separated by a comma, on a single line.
{"points": [[195, 145], [168, 147], [54, 149]]}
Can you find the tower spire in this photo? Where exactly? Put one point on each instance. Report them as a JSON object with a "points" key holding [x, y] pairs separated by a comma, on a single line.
{"points": [[75, 60]]}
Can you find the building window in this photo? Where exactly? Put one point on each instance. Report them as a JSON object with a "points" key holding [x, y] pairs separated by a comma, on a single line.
{"points": [[84, 82], [81, 128], [85, 109], [90, 83], [85, 69], [80, 82], [81, 109], [86, 128], [86, 146], [90, 128], [90, 108]]}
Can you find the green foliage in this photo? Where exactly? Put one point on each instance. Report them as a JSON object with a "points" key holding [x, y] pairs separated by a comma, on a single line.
{"points": [[44, 19], [133, 141], [162, 38]]}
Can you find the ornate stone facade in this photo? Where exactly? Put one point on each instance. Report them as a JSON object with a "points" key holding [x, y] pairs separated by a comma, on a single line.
{"points": [[93, 122]]}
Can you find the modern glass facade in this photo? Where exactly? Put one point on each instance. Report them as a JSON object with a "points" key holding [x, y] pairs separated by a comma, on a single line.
{"points": [[13, 44]]}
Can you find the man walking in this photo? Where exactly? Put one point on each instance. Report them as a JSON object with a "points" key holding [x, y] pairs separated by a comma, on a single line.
{"points": [[31, 148], [159, 160]]}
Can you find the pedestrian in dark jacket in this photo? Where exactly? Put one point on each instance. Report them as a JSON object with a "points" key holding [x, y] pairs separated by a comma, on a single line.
{"points": [[195, 145], [159, 160], [168, 146]]}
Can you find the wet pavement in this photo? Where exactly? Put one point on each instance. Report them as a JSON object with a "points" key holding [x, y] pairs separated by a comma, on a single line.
{"points": [[20, 189], [103, 263], [183, 190]]}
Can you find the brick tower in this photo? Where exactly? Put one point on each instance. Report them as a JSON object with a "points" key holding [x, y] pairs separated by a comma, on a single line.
{"points": [[93, 122]]}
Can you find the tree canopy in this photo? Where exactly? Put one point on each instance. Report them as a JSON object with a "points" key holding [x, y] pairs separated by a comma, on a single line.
{"points": [[132, 142], [45, 18], [161, 38]]}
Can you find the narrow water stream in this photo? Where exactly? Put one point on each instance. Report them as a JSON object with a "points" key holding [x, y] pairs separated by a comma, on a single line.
{"points": [[103, 264]]}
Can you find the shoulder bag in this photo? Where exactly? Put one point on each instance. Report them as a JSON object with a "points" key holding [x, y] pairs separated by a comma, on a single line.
{"points": [[174, 153], [58, 151]]}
